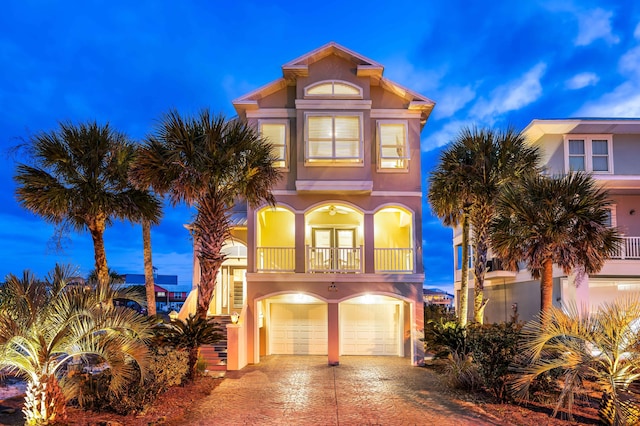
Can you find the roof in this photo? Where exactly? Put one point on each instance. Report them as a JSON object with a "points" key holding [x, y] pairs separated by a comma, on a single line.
{"points": [[562, 126], [158, 279], [157, 289], [365, 67]]}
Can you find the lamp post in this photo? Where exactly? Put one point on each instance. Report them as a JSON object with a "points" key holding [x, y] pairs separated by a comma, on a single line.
{"points": [[173, 315]]}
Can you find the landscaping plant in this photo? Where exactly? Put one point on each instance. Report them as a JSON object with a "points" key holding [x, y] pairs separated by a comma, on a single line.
{"points": [[45, 324], [602, 347]]}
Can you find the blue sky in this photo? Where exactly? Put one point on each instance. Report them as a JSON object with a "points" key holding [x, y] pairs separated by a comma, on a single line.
{"points": [[495, 63]]}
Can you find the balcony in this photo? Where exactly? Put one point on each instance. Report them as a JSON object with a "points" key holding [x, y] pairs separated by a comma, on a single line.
{"points": [[334, 260], [276, 259], [629, 249], [393, 260]]}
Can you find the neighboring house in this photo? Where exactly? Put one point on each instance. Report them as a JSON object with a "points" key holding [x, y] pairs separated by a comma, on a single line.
{"points": [[335, 268], [166, 298], [609, 149], [438, 297]]}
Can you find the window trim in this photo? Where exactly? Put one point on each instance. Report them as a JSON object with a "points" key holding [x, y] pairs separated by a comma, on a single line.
{"points": [[333, 94], [588, 151], [406, 157], [287, 138], [333, 161]]}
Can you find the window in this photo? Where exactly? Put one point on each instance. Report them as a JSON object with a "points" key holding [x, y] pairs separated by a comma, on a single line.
{"points": [[588, 153], [393, 150], [610, 220], [333, 138], [277, 132], [333, 89]]}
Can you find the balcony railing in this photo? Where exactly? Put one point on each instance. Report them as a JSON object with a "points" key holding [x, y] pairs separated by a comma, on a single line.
{"points": [[333, 259], [629, 249], [276, 259], [398, 260]]}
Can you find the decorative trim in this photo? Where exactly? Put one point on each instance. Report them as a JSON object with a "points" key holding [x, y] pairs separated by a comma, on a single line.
{"points": [[337, 278], [335, 104], [272, 113], [394, 113], [334, 186]]}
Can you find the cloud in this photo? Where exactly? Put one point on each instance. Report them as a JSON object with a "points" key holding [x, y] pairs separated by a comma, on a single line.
{"points": [[630, 62], [593, 25], [636, 33], [582, 80], [453, 100], [423, 81], [446, 134], [624, 101], [513, 95]]}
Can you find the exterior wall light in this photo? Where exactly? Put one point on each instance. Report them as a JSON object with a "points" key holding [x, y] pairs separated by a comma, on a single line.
{"points": [[235, 317], [173, 315]]}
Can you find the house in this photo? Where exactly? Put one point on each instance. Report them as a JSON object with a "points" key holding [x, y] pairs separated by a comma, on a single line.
{"points": [[434, 296], [609, 149], [166, 299], [335, 268]]}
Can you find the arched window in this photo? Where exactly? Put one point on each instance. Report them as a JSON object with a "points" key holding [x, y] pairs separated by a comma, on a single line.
{"points": [[333, 89]]}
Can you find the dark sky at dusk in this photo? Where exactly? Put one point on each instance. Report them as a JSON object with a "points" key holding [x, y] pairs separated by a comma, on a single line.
{"points": [[126, 62]]}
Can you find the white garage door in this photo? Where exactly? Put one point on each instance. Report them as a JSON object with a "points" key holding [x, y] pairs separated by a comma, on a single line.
{"points": [[369, 329], [298, 329]]}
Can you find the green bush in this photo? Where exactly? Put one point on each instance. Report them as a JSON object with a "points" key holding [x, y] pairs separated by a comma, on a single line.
{"points": [[494, 347], [167, 367], [461, 372], [446, 337]]}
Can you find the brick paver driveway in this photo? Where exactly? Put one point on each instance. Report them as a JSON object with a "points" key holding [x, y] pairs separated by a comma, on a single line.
{"points": [[303, 390]]}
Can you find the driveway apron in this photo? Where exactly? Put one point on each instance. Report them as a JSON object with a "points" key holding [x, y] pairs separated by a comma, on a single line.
{"points": [[303, 390]]}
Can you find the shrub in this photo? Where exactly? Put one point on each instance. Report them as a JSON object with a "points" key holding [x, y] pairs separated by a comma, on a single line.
{"points": [[167, 367], [461, 372], [494, 347], [446, 337]]}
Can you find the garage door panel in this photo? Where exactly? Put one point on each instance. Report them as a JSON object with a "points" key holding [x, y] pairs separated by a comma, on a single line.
{"points": [[369, 329], [298, 329]]}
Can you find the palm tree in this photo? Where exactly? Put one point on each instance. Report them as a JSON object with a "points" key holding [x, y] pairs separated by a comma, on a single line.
{"points": [[46, 324], [554, 220], [149, 284], [603, 347], [210, 163], [450, 199], [488, 159], [78, 179]]}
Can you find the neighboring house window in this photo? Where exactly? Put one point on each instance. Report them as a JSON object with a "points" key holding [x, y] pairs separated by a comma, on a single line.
{"points": [[277, 132], [393, 149], [333, 89], [333, 138], [161, 294], [588, 153]]}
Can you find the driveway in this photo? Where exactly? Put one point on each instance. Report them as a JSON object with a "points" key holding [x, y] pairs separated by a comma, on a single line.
{"points": [[303, 390]]}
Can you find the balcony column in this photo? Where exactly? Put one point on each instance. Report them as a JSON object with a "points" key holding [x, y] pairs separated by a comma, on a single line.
{"points": [[369, 252], [301, 250]]}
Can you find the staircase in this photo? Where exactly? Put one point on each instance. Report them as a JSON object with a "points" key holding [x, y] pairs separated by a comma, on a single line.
{"points": [[216, 355]]}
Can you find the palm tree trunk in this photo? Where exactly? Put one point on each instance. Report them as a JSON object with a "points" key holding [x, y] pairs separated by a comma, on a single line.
{"points": [[211, 217], [96, 227], [149, 284], [44, 402], [546, 287], [481, 247], [464, 279]]}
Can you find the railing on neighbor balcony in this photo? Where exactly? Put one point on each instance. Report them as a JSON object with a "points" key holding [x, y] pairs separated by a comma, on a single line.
{"points": [[276, 259], [333, 259], [629, 249], [393, 260]]}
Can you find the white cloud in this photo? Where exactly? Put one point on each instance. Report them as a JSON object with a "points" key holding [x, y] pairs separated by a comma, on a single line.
{"points": [[513, 95], [630, 62], [624, 101], [636, 33], [593, 25], [401, 71], [446, 134], [452, 100], [581, 80]]}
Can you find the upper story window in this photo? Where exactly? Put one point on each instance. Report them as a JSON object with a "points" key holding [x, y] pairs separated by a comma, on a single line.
{"points": [[333, 89], [333, 138], [277, 132], [588, 153], [611, 220], [393, 148]]}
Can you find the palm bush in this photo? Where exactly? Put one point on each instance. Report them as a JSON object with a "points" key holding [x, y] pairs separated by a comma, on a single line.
{"points": [[45, 324], [190, 334], [602, 347]]}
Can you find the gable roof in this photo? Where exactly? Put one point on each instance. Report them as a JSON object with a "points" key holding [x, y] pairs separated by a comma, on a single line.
{"points": [[365, 67]]}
